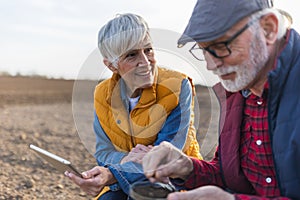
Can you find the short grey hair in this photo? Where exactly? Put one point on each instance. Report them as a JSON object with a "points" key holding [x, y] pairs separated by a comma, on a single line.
{"points": [[284, 19], [121, 34]]}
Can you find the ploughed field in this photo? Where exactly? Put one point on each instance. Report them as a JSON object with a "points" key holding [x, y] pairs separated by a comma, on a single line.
{"points": [[57, 115]]}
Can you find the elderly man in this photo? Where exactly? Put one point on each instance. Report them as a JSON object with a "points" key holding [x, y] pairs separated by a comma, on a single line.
{"points": [[250, 46]]}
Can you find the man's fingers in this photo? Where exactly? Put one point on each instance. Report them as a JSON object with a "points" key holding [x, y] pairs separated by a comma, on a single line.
{"points": [[178, 196], [157, 157], [161, 174], [150, 164], [190, 195], [202, 193]]}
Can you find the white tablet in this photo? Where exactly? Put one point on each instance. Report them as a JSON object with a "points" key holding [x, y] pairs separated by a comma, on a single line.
{"points": [[59, 163]]}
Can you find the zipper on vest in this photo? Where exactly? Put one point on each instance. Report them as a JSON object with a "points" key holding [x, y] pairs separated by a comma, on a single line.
{"points": [[131, 130]]}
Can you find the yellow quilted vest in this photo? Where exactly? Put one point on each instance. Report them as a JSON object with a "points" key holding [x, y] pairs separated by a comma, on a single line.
{"points": [[147, 117]]}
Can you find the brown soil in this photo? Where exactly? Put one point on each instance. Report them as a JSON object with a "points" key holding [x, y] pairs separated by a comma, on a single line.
{"points": [[39, 111]]}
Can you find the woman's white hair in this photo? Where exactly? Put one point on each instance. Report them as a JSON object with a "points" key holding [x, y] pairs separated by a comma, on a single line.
{"points": [[284, 19], [121, 34]]}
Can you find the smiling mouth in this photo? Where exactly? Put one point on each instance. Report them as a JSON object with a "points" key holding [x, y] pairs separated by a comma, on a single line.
{"points": [[145, 73]]}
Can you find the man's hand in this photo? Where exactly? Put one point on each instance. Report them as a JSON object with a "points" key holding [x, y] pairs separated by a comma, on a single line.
{"points": [[136, 154], [94, 180], [202, 193], [165, 161]]}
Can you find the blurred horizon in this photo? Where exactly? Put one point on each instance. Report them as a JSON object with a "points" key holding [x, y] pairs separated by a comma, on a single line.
{"points": [[37, 76]]}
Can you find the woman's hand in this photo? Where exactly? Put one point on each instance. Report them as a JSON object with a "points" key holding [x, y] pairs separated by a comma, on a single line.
{"points": [[94, 180], [137, 154]]}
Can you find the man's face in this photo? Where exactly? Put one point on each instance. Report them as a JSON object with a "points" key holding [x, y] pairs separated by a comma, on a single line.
{"points": [[249, 54]]}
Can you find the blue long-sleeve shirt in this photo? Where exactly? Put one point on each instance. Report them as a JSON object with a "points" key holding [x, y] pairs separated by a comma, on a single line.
{"points": [[174, 130]]}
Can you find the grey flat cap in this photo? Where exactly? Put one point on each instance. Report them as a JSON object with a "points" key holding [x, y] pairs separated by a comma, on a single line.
{"points": [[212, 18]]}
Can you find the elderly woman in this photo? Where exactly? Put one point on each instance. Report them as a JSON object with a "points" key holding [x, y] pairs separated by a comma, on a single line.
{"points": [[140, 106]]}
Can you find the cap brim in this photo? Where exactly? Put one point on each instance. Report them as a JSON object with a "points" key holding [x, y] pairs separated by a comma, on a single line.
{"points": [[183, 40]]}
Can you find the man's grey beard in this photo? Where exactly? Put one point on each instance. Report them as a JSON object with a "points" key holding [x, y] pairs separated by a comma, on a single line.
{"points": [[249, 69]]}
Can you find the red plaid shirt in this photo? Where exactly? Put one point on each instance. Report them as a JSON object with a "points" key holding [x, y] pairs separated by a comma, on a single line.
{"points": [[256, 154], [255, 148]]}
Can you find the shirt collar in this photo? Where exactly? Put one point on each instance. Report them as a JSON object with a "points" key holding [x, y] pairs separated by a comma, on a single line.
{"points": [[246, 93]]}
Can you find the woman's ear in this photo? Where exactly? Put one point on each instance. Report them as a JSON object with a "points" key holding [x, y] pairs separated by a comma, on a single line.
{"points": [[110, 65], [269, 23]]}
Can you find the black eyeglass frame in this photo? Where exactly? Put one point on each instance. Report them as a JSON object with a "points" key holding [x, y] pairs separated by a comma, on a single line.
{"points": [[225, 43]]}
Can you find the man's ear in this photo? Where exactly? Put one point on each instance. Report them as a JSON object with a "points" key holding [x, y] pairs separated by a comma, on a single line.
{"points": [[269, 23], [110, 65]]}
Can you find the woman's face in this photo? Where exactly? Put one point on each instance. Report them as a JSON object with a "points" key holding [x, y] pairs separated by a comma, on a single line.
{"points": [[137, 67]]}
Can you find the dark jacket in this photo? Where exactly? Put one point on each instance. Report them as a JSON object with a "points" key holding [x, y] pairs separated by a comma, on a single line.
{"points": [[284, 124]]}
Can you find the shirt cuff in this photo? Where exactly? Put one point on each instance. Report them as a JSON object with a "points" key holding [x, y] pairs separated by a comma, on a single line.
{"points": [[114, 187]]}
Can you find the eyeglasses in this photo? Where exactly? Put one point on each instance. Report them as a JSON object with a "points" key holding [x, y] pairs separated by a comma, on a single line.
{"points": [[219, 49]]}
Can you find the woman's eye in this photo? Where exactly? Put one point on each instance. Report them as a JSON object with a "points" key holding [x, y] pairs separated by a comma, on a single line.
{"points": [[148, 50], [130, 55]]}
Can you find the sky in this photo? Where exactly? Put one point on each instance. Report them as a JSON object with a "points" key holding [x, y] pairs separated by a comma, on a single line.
{"points": [[58, 38]]}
